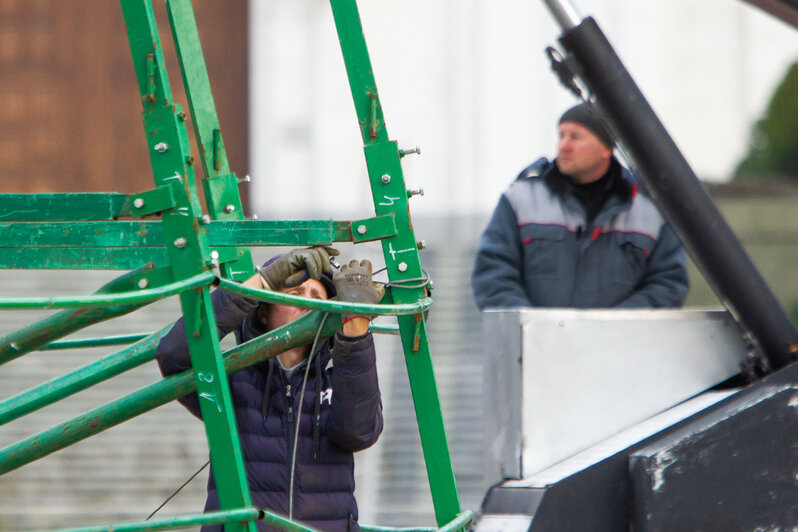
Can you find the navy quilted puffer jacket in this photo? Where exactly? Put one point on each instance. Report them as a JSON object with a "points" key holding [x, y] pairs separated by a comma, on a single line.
{"points": [[266, 403]]}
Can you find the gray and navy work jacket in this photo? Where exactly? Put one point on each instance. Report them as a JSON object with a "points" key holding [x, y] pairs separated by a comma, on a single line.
{"points": [[341, 413], [539, 250]]}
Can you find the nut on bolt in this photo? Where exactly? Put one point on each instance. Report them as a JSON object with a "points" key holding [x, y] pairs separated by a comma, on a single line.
{"points": [[385, 179], [361, 229], [138, 203], [161, 147], [229, 208], [180, 243], [402, 267]]}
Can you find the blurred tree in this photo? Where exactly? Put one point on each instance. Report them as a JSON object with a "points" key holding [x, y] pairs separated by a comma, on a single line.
{"points": [[773, 147]]}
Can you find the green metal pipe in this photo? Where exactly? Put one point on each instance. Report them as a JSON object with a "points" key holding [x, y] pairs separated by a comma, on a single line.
{"points": [[141, 296], [95, 342], [79, 379], [86, 376], [384, 329], [177, 523], [44, 331], [299, 332], [367, 528], [284, 523], [458, 523], [326, 305], [123, 339]]}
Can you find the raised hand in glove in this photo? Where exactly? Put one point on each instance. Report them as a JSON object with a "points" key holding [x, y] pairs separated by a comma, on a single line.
{"points": [[354, 285], [297, 266]]}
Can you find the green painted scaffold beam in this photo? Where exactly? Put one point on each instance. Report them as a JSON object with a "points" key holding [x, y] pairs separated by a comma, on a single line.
{"points": [[221, 186], [401, 255], [188, 251]]}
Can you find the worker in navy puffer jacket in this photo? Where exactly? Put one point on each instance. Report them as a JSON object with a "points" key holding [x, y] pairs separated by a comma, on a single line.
{"points": [[578, 233], [341, 410]]}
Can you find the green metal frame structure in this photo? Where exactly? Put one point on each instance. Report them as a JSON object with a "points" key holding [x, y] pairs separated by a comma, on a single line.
{"points": [[183, 250]]}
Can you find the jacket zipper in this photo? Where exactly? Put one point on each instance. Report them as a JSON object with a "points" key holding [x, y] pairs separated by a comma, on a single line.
{"points": [[289, 413], [289, 401], [580, 233], [289, 433]]}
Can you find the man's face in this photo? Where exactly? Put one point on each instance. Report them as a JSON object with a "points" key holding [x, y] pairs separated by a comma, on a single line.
{"points": [[279, 315], [580, 154]]}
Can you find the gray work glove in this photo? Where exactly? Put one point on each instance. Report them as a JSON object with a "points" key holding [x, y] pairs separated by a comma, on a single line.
{"points": [[353, 284], [297, 266]]}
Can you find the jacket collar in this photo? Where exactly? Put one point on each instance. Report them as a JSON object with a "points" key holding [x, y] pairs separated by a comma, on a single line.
{"points": [[323, 351], [624, 187]]}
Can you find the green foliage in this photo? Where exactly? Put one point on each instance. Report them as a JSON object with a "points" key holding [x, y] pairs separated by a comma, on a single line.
{"points": [[774, 139]]}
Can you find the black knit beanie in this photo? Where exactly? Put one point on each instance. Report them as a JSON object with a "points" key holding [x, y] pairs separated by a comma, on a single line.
{"points": [[584, 115]]}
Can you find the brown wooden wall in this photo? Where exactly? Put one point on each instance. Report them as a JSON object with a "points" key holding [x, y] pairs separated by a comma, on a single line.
{"points": [[69, 108]]}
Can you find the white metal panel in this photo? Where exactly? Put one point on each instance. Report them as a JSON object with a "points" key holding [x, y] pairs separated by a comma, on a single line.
{"points": [[590, 374], [571, 378]]}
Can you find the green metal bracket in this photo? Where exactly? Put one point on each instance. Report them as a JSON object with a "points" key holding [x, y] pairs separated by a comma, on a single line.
{"points": [[373, 228], [152, 201]]}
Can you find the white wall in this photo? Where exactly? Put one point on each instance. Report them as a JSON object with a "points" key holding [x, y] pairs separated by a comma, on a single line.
{"points": [[468, 81]]}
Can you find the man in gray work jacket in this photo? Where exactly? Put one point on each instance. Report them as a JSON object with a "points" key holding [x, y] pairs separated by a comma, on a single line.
{"points": [[578, 232]]}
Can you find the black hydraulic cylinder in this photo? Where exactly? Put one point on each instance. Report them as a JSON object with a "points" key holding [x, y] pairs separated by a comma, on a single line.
{"points": [[680, 195], [785, 10]]}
